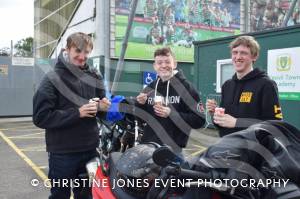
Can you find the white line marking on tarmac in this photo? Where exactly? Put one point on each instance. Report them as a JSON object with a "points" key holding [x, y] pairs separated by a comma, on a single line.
{"points": [[25, 136], [19, 127], [34, 148], [16, 137], [25, 130]]}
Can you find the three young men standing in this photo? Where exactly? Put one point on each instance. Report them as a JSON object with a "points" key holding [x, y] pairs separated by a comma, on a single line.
{"points": [[170, 105]]}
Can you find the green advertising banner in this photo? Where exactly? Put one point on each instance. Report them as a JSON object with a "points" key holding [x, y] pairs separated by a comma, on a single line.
{"points": [[174, 23]]}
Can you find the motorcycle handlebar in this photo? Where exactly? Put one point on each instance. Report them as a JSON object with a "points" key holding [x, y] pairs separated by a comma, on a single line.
{"points": [[187, 173], [195, 174]]}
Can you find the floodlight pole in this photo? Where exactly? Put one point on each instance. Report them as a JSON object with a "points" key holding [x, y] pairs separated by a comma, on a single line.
{"points": [[120, 64], [289, 14]]}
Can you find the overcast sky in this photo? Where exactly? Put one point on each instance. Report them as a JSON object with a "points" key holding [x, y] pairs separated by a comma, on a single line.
{"points": [[16, 20]]}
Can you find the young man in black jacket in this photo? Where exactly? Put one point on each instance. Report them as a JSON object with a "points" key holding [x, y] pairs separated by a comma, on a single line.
{"points": [[250, 96], [62, 106], [170, 105]]}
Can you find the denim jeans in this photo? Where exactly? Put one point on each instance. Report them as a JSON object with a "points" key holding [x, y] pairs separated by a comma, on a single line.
{"points": [[67, 167]]}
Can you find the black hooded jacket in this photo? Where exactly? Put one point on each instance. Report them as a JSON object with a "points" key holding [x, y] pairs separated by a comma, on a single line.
{"points": [[250, 99], [185, 105], [56, 106]]}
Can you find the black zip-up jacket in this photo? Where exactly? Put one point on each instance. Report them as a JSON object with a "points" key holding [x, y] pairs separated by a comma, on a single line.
{"points": [[184, 102], [250, 99], [56, 106]]}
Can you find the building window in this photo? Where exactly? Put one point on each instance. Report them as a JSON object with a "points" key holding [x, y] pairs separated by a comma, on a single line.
{"points": [[224, 72]]}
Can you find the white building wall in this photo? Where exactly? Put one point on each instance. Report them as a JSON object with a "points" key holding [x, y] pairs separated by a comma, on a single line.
{"points": [[82, 21]]}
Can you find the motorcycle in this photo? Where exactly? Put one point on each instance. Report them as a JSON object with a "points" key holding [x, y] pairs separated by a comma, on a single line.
{"points": [[157, 159], [150, 162]]}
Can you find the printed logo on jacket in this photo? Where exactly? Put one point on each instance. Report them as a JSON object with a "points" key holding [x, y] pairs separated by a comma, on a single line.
{"points": [[246, 97], [172, 100], [277, 111]]}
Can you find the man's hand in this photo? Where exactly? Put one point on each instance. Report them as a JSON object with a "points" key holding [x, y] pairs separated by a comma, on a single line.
{"points": [[211, 106], [224, 120], [104, 104], [162, 111], [88, 110], [141, 98]]}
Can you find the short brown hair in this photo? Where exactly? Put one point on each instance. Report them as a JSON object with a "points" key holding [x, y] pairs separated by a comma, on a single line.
{"points": [[166, 51], [247, 41], [79, 40]]}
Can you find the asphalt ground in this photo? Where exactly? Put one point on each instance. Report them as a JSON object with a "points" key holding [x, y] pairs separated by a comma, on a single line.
{"points": [[24, 160]]}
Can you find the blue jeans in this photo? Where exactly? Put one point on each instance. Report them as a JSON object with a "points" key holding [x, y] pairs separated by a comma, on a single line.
{"points": [[69, 166]]}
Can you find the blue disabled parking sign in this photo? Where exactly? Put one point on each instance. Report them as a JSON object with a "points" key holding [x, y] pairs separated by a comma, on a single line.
{"points": [[148, 77]]}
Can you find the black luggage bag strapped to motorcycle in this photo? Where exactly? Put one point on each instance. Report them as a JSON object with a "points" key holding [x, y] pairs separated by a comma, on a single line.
{"points": [[265, 152], [268, 150]]}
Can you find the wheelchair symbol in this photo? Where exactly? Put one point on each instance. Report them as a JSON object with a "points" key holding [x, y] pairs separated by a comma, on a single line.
{"points": [[148, 79]]}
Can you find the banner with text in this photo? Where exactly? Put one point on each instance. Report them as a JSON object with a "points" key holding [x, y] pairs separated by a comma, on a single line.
{"points": [[284, 69]]}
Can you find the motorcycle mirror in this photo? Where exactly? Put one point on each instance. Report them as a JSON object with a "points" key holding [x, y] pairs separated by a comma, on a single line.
{"points": [[163, 156]]}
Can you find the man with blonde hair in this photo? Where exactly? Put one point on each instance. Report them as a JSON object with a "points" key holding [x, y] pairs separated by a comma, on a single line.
{"points": [[250, 96]]}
